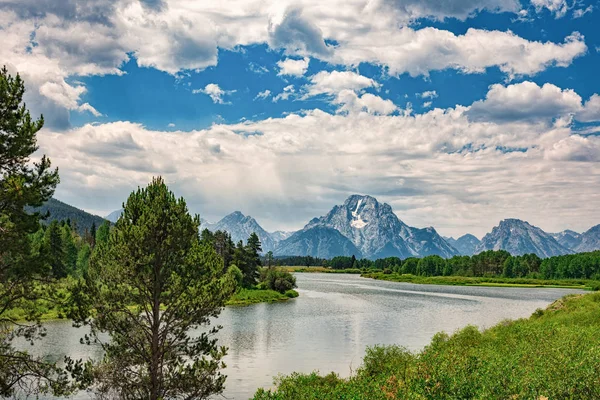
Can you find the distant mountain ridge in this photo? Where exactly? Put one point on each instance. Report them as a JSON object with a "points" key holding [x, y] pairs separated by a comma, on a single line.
{"points": [[375, 231], [466, 244], [240, 227], [519, 237], [60, 211], [363, 227]]}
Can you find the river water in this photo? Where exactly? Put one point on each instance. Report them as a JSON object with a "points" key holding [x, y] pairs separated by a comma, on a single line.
{"points": [[328, 327]]}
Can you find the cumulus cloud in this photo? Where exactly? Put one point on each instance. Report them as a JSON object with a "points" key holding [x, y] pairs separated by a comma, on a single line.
{"points": [[287, 92], [591, 110], [525, 101], [50, 42], [263, 95], [215, 92], [438, 168], [349, 101], [430, 94], [333, 82], [293, 67], [557, 7]]}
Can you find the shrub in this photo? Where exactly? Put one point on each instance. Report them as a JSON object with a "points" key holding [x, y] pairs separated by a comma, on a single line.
{"points": [[279, 280]]}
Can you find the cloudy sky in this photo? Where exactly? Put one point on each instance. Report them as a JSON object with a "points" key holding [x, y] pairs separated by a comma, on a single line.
{"points": [[457, 113]]}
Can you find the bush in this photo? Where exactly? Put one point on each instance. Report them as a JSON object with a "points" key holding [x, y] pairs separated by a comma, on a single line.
{"points": [[279, 280]]}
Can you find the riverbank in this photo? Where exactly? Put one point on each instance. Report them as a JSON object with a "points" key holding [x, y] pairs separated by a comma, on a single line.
{"points": [[325, 270], [243, 297], [553, 354], [252, 296], [482, 281]]}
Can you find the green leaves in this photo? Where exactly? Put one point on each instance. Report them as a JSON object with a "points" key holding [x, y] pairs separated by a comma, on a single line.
{"points": [[149, 283]]}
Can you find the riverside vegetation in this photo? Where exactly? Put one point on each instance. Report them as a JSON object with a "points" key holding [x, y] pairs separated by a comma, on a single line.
{"points": [[555, 354]]}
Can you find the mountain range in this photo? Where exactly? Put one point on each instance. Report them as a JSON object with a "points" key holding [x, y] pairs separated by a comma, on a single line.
{"points": [[60, 211], [364, 227]]}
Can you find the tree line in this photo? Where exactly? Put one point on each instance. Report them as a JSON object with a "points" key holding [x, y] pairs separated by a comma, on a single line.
{"points": [[491, 263]]}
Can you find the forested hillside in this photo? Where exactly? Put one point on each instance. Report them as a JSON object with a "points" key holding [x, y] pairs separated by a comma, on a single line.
{"points": [[60, 211]]}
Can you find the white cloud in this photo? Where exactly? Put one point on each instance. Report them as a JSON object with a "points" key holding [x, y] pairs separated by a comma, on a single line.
{"points": [[51, 44], [557, 7], [349, 101], [437, 168], [215, 92], [427, 104], [591, 110], [430, 94], [417, 52], [525, 101], [263, 95], [287, 92], [293, 67], [331, 83], [582, 11], [171, 125]]}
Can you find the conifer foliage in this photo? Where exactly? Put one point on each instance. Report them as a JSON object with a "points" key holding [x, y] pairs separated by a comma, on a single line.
{"points": [[149, 285]]}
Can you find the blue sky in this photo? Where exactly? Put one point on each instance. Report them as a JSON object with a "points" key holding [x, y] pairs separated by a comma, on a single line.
{"points": [[457, 114]]}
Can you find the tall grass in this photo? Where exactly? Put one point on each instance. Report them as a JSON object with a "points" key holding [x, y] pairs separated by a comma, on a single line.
{"points": [[554, 354]]}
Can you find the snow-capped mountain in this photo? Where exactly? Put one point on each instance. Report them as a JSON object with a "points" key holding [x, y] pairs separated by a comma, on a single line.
{"points": [[589, 240], [377, 232], [240, 227], [278, 236], [317, 241], [465, 244], [114, 216], [519, 237], [567, 238]]}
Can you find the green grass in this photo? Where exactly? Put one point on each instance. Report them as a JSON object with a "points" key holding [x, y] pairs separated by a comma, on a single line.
{"points": [[251, 296], [555, 354], [321, 269], [483, 281]]}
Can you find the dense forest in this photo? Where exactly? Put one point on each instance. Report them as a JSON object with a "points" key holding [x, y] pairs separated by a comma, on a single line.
{"points": [[489, 263]]}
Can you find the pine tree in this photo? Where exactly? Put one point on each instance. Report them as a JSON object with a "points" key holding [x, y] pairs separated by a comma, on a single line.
{"points": [[54, 250], [69, 249], [253, 249], [150, 284], [22, 184]]}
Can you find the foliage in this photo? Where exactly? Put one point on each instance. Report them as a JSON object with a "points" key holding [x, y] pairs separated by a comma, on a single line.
{"points": [[148, 285], [278, 279], [59, 211], [246, 297], [553, 354], [23, 185]]}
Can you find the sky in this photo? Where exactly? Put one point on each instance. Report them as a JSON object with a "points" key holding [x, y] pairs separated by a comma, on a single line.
{"points": [[457, 113]]}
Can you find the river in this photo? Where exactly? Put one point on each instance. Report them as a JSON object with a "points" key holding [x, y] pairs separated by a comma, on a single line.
{"points": [[328, 327]]}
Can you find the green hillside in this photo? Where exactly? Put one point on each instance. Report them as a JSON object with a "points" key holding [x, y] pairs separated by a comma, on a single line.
{"points": [[62, 211]]}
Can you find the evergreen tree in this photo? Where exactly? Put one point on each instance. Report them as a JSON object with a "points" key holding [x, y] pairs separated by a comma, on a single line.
{"points": [[83, 259], [253, 249], [22, 184], [101, 237], [69, 249], [92, 240], [150, 284], [54, 250]]}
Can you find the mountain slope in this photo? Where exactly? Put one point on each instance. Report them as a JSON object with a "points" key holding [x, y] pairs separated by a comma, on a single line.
{"points": [[62, 211], [114, 216], [519, 237], [589, 240], [377, 232], [317, 241], [465, 244], [569, 239], [240, 227]]}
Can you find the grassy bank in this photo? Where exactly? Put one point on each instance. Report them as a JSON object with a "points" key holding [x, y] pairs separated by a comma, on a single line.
{"points": [[554, 354], [481, 281], [321, 269], [252, 296]]}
